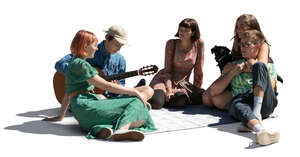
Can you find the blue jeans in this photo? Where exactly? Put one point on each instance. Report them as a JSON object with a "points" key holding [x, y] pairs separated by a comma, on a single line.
{"points": [[242, 104]]}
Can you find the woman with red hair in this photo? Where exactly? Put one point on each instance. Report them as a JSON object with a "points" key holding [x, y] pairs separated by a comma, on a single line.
{"points": [[109, 118]]}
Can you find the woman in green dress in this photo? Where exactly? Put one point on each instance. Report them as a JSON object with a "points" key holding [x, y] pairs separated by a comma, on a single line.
{"points": [[123, 118]]}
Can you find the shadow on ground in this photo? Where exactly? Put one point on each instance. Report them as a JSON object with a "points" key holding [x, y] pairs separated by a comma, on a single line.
{"points": [[222, 115], [43, 113], [67, 127]]}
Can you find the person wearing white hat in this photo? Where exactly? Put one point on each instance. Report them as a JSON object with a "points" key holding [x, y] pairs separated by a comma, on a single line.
{"points": [[107, 57], [118, 33]]}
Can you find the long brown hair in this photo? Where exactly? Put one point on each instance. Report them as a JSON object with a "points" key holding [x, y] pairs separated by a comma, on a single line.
{"points": [[252, 24]]}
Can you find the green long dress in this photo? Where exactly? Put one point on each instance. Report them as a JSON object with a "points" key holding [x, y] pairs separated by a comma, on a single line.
{"points": [[92, 113]]}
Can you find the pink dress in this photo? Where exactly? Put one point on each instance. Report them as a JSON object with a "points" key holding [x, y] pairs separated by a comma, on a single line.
{"points": [[179, 65]]}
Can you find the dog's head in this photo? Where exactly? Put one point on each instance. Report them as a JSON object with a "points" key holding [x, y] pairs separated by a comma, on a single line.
{"points": [[220, 52], [222, 55]]}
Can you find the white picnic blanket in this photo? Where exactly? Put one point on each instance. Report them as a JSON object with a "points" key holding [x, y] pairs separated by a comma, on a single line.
{"points": [[195, 116]]}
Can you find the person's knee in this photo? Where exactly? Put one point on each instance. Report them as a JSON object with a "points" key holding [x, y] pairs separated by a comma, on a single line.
{"points": [[158, 99], [221, 101], [260, 75], [206, 99], [260, 66], [179, 100], [216, 101], [149, 91], [211, 91]]}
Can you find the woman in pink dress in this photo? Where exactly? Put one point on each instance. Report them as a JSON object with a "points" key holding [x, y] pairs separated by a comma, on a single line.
{"points": [[181, 57]]}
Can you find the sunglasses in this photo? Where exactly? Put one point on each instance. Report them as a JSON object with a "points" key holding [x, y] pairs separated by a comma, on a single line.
{"points": [[248, 44]]}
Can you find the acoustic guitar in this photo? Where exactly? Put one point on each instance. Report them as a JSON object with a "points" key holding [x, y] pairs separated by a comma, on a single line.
{"points": [[59, 83]]}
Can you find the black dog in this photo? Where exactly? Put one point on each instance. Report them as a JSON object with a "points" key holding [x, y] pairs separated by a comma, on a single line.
{"points": [[222, 56]]}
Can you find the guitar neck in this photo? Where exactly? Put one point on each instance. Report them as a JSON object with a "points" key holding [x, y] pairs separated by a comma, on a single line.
{"points": [[121, 76]]}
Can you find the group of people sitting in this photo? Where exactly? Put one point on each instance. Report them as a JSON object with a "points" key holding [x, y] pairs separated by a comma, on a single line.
{"points": [[246, 86]]}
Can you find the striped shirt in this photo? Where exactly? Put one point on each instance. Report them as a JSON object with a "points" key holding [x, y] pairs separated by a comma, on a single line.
{"points": [[242, 83]]}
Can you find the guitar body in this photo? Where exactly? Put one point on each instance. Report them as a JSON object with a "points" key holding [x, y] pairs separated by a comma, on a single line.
{"points": [[59, 85], [59, 80]]}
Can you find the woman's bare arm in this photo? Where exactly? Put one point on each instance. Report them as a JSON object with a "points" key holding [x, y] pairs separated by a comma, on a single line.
{"points": [[63, 109], [109, 86], [115, 88], [263, 54]]}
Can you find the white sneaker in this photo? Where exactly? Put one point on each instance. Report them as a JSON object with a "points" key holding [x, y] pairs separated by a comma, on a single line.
{"points": [[105, 133], [128, 135], [266, 138]]}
